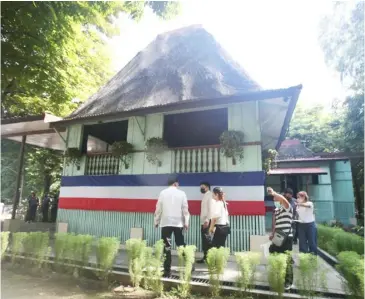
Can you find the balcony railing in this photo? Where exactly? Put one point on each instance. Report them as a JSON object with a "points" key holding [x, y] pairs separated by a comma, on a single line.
{"points": [[197, 159], [102, 164]]}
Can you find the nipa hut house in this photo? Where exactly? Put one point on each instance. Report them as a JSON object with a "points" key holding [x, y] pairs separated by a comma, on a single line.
{"points": [[179, 106]]}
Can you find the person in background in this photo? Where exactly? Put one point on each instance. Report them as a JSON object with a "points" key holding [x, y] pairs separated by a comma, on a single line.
{"points": [[33, 203], [282, 220], [206, 204], [45, 207], [219, 224], [54, 208], [172, 215], [288, 194], [307, 229]]}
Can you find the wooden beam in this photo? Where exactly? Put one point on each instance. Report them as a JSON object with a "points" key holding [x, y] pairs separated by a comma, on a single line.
{"points": [[19, 177]]}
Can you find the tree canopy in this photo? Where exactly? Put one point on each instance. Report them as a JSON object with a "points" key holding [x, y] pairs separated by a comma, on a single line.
{"points": [[53, 52], [56, 51]]}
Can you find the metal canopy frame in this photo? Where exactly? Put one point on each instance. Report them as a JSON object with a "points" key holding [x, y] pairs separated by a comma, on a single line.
{"points": [[34, 130]]}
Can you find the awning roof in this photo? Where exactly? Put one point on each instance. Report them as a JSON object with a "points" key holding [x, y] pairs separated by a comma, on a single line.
{"points": [[37, 129], [312, 170]]}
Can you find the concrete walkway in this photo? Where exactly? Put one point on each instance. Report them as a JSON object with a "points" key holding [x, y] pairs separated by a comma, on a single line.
{"points": [[334, 283]]}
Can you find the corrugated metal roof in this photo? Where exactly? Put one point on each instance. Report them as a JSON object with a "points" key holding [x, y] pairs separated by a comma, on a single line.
{"points": [[311, 170]]}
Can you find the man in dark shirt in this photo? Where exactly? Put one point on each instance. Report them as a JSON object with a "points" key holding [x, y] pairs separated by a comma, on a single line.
{"points": [[33, 203], [45, 208], [288, 194]]}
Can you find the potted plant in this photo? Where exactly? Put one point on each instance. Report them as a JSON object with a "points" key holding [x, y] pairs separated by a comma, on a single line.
{"points": [[73, 156], [122, 149], [269, 157], [231, 143], [154, 147]]}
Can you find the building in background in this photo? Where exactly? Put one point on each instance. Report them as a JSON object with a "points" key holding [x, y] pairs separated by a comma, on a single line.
{"points": [[326, 177], [185, 90]]}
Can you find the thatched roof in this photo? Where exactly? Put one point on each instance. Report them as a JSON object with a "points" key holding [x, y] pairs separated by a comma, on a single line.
{"points": [[181, 65], [294, 149]]}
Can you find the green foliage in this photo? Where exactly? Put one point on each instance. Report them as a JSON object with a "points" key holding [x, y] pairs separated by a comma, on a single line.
{"points": [[311, 276], [73, 156], [217, 259], [4, 242], [155, 146], [186, 256], [17, 240], [342, 41], [351, 266], [106, 252], [276, 272], [231, 142], [61, 247], [136, 254], [154, 259], [122, 149], [247, 263], [36, 244], [335, 240], [270, 157], [53, 52]]}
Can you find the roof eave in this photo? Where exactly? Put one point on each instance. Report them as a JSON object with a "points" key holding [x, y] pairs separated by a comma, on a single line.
{"points": [[289, 115], [293, 92]]}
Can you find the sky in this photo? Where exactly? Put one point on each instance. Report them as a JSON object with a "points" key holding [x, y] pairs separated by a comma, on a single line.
{"points": [[276, 42]]}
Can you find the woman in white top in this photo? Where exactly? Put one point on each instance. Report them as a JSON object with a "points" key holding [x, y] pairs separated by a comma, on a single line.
{"points": [[219, 224], [307, 229]]}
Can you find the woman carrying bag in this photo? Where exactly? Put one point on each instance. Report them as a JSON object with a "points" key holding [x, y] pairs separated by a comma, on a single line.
{"points": [[282, 234], [219, 225]]}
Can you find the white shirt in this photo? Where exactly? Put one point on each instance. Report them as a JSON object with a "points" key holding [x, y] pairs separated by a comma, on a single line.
{"points": [[206, 207], [220, 212], [172, 208], [306, 214]]}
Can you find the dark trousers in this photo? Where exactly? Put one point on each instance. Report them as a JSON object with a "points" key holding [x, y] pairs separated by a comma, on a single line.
{"points": [[53, 214], [307, 233], [45, 215], [287, 246], [166, 233], [220, 236], [206, 240], [32, 213], [295, 231]]}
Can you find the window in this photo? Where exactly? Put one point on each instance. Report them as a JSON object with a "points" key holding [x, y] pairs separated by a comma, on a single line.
{"points": [[99, 137], [195, 128], [315, 179]]}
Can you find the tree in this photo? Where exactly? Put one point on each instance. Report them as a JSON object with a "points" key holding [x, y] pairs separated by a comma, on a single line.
{"points": [[53, 52], [342, 40], [56, 51]]}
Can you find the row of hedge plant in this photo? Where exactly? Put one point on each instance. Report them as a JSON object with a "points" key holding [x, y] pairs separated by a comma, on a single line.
{"points": [[335, 240], [145, 263]]}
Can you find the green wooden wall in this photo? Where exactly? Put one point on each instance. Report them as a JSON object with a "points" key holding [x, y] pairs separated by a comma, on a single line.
{"points": [[118, 224]]}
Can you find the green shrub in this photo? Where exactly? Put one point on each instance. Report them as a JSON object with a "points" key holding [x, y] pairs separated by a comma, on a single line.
{"points": [[17, 245], [247, 263], [83, 248], [351, 266], [4, 243], [277, 271], [154, 259], [335, 240], [216, 260], [312, 276], [136, 254], [106, 252], [186, 256], [36, 244]]}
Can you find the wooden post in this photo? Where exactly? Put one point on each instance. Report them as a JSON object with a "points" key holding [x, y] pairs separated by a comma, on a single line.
{"points": [[19, 177]]}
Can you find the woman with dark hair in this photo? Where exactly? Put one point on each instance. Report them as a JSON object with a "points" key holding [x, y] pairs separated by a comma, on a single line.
{"points": [[219, 225], [307, 229]]}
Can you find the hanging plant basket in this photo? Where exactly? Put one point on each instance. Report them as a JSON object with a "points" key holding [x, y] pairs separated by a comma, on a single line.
{"points": [[155, 146], [231, 144], [73, 156], [122, 150], [269, 156]]}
